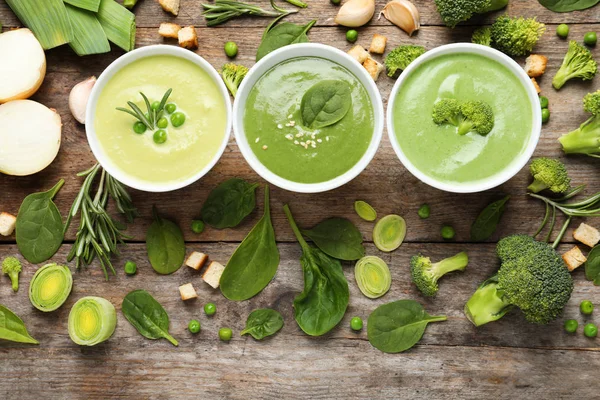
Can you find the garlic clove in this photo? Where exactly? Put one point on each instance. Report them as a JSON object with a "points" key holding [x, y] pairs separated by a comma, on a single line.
{"points": [[355, 13], [403, 14], [78, 98]]}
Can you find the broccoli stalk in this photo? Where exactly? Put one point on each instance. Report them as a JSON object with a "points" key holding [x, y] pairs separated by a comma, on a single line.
{"points": [[426, 274], [470, 116], [233, 74], [487, 304], [401, 57], [455, 11], [12, 267], [549, 174], [578, 63], [516, 36], [585, 139]]}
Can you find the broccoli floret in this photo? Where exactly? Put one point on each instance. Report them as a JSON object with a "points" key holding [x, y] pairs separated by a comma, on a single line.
{"points": [[446, 111], [549, 174], [11, 267], [233, 74], [482, 36], [532, 277], [470, 116], [578, 63], [585, 139], [455, 11], [401, 57], [516, 36], [425, 274]]}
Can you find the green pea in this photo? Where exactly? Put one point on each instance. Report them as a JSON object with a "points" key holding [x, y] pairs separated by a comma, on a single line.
{"points": [[231, 49], [170, 108], [155, 105], [194, 326], [210, 309], [139, 127], [571, 326], [590, 330], [590, 39], [586, 307], [562, 31], [545, 116], [130, 268], [177, 119], [424, 211], [197, 226], [351, 36], [162, 123], [225, 334], [544, 103], [336, 2], [356, 324], [448, 232], [160, 136]]}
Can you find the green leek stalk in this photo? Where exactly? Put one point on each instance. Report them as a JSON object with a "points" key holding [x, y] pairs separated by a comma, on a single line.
{"points": [[50, 287], [89, 37], [129, 3], [90, 5], [92, 320], [118, 24]]}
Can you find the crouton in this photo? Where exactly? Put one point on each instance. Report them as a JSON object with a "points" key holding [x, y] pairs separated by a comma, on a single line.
{"points": [[171, 6], [574, 258], [536, 86], [378, 44], [213, 273], [535, 65], [373, 68], [587, 235], [169, 30], [188, 37], [7, 223], [358, 53], [187, 292], [196, 260]]}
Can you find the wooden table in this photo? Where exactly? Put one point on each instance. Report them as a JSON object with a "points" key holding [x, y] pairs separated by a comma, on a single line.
{"points": [[506, 359]]}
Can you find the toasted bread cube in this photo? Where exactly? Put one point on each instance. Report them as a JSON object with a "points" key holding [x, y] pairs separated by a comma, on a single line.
{"points": [[358, 53], [378, 44], [535, 65], [187, 292], [171, 6], [213, 273], [536, 86], [196, 260], [169, 30], [574, 258], [587, 235], [188, 37], [7, 223], [373, 68]]}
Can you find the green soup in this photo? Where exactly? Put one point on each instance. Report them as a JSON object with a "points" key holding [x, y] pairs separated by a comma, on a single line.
{"points": [[189, 148], [438, 150], [274, 129]]}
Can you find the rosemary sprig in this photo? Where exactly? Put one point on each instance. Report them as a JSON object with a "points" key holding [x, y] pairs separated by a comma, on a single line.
{"points": [[153, 115], [224, 10], [99, 234]]}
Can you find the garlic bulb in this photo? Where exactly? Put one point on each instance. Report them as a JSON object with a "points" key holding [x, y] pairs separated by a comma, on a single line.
{"points": [[404, 14], [355, 13], [78, 98]]}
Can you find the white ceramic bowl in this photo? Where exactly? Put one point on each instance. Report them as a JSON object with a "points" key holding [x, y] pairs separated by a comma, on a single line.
{"points": [[106, 76], [517, 164], [306, 50]]}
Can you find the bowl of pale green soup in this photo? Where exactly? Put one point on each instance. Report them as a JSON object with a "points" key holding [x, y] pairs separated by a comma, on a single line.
{"points": [[308, 118], [158, 118], [464, 118]]}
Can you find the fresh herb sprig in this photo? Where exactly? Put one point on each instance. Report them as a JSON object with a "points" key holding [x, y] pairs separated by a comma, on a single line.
{"points": [[153, 115], [223, 10]]}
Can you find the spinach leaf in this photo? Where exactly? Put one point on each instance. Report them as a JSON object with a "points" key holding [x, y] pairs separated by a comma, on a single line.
{"points": [[12, 327], [282, 35], [398, 326], [165, 245], [147, 315], [262, 323], [338, 238], [229, 203], [325, 103], [323, 302], [592, 266], [487, 221], [39, 227], [254, 263], [562, 6]]}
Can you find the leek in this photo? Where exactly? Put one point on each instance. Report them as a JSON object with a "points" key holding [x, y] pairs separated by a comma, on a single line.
{"points": [[118, 24], [50, 287], [372, 276], [129, 3], [90, 5], [92, 320], [89, 37]]}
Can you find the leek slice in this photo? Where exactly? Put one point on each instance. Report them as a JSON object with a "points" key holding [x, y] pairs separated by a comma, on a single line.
{"points": [[372, 276], [118, 24], [50, 287], [92, 320], [89, 37], [90, 5]]}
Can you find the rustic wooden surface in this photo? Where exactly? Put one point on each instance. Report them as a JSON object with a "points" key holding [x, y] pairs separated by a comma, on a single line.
{"points": [[506, 359]]}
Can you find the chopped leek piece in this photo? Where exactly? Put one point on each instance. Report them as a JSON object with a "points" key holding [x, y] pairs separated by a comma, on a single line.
{"points": [[92, 320], [89, 37], [118, 24], [50, 287], [129, 3], [90, 5], [372, 276]]}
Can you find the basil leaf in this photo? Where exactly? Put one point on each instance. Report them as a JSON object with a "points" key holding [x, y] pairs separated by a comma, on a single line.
{"points": [[592, 266], [165, 245], [338, 238], [147, 315], [229, 203], [39, 227], [262, 323], [398, 326], [325, 103], [12, 327], [487, 221], [562, 6], [282, 35], [254, 263]]}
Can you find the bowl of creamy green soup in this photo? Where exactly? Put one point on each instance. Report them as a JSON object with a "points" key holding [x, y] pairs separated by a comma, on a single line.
{"points": [[464, 118], [308, 118], [158, 118]]}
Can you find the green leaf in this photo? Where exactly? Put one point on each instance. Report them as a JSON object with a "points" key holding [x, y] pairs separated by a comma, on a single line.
{"points": [[262, 323], [338, 238], [165, 245], [254, 263], [39, 227], [147, 315], [282, 35], [592, 266], [562, 6], [229, 203], [325, 103], [12, 327], [487, 221], [398, 326]]}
